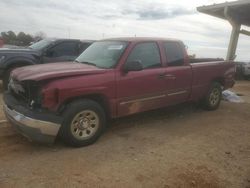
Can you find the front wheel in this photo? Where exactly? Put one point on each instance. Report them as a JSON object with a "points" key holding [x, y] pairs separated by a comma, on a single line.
{"points": [[213, 97], [84, 122]]}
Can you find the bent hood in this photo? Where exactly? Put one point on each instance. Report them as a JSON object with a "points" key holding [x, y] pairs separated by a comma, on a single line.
{"points": [[54, 70]]}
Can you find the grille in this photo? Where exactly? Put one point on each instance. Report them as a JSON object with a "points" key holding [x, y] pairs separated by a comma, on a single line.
{"points": [[23, 91]]}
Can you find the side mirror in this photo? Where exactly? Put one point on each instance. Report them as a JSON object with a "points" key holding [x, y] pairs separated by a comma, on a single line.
{"points": [[133, 66]]}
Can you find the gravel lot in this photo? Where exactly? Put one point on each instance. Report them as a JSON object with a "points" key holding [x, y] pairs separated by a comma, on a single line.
{"points": [[182, 146]]}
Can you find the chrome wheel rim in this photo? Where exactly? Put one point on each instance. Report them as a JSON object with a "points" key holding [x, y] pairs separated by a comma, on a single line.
{"points": [[85, 124], [214, 97]]}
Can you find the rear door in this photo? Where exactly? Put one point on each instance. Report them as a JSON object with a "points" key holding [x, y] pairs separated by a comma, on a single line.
{"points": [[143, 90], [178, 73]]}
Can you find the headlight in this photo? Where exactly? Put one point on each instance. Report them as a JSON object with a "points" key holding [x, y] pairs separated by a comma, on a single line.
{"points": [[2, 58], [15, 86]]}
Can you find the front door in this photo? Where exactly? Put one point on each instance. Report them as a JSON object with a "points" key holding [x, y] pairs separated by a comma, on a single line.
{"points": [[143, 90]]}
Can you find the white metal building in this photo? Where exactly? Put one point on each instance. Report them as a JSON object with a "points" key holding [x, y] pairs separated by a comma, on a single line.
{"points": [[237, 13]]}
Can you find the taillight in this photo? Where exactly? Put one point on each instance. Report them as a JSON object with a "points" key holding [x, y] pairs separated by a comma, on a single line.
{"points": [[49, 97]]}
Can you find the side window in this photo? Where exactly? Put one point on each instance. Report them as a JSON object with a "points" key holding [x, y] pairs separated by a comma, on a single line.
{"points": [[64, 49], [147, 53], [174, 53], [84, 46]]}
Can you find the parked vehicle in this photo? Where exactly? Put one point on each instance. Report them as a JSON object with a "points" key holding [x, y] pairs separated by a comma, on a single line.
{"points": [[1, 42], [246, 70], [44, 51], [242, 70], [112, 78], [239, 70]]}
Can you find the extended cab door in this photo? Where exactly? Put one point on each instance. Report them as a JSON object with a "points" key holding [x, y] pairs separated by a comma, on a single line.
{"points": [[178, 73], [143, 90], [64, 51]]}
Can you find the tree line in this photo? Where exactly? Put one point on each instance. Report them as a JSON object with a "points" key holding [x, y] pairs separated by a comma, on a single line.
{"points": [[21, 39]]}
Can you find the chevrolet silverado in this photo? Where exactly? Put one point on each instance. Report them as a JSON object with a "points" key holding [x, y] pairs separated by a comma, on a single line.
{"points": [[112, 78]]}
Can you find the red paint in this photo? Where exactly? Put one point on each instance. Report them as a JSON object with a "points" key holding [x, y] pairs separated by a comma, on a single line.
{"points": [[128, 93], [54, 70]]}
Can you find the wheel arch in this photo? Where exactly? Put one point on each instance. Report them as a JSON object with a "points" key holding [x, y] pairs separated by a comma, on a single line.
{"points": [[219, 80], [101, 99]]}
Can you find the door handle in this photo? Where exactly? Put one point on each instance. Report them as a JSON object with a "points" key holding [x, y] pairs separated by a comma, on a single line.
{"points": [[167, 76], [162, 75], [170, 77]]}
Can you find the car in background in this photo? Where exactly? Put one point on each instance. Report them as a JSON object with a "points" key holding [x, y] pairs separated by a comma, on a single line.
{"points": [[246, 70], [44, 51], [1, 42], [242, 70]]}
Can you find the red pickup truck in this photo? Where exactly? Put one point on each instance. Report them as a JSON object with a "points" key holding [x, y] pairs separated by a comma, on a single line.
{"points": [[112, 78]]}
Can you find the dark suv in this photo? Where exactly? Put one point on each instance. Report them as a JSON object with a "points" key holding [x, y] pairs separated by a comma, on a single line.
{"points": [[44, 51]]}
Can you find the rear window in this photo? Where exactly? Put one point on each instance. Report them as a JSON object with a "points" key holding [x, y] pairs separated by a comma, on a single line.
{"points": [[174, 53]]}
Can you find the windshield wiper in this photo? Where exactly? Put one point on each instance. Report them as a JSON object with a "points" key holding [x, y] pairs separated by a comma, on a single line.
{"points": [[88, 63]]}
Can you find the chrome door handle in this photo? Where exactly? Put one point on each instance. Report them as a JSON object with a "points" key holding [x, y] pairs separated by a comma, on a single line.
{"points": [[162, 75], [170, 76]]}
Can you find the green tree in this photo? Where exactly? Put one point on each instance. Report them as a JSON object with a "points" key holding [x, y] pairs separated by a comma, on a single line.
{"points": [[9, 37], [39, 36], [23, 39]]}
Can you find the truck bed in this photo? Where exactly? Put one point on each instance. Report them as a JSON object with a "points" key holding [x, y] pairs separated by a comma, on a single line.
{"points": [[200, 60], [206, 72]]}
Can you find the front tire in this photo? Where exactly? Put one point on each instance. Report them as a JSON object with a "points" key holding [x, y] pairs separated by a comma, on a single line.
{"points": [[84, 122], [213, 97]]}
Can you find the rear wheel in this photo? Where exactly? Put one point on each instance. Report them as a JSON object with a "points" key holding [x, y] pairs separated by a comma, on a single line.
{"points": [[84, 122], [213, 98]]}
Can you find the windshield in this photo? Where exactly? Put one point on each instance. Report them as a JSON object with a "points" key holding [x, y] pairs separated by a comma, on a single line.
{"points": [[103, 54], [41, 44]]}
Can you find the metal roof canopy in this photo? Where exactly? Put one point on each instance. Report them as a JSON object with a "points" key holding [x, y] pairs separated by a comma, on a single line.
{"points": [[237, 13]]}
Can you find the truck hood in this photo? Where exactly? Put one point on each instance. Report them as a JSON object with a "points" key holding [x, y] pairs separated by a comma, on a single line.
{"points": [[54, 70], [18, 51]]}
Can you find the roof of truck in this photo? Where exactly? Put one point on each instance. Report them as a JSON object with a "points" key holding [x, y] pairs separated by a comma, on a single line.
{"points": [[138, 39]]}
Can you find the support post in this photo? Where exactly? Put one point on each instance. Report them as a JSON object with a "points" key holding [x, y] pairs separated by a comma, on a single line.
{"points": [[231, 53]]}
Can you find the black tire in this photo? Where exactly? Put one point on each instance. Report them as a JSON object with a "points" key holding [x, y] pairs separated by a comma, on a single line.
{"points": [[6, 78], [213, 97], [72, 137]]}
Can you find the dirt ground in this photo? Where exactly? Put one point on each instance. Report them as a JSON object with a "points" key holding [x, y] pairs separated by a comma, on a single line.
{"points": [[182, 146]]}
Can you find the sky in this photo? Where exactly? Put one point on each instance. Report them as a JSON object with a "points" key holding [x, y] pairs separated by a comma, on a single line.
{"points": [[205, 36]]}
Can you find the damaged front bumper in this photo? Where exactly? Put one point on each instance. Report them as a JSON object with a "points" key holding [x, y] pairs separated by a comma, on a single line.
{"points": [[39, 126]]}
